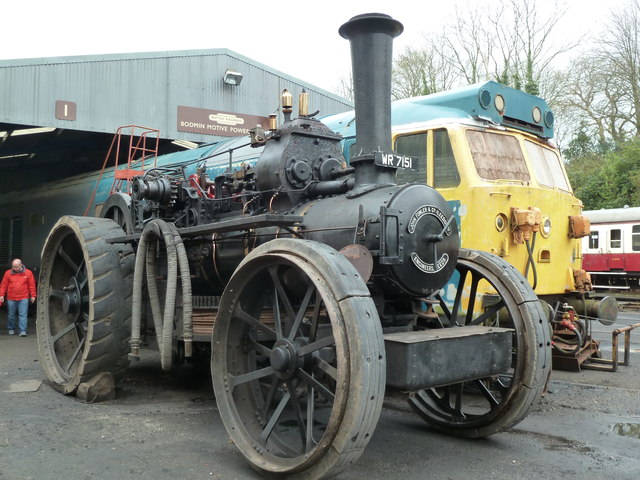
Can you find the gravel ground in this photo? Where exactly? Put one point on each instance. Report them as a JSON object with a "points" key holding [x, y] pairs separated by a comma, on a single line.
{"points": [[167, 426]]}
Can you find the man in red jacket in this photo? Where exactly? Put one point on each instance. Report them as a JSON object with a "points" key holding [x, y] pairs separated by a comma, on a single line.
{"points": [[18, 287]]}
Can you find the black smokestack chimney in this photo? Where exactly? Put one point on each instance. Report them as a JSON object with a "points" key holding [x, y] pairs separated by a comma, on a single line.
{"points": [[371, 36]]}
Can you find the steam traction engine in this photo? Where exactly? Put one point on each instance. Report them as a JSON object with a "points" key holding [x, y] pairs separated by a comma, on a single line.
{"points": [[329, 282]]}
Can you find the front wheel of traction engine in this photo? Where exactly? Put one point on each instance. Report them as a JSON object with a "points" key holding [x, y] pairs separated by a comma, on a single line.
{"points": [[298, 367], [84, 301]]}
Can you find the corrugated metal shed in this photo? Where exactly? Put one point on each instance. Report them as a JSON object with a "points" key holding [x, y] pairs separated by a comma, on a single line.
{"points": [[146, 89]]}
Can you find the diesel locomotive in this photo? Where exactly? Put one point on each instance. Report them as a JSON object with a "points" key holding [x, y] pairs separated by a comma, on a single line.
{"points": [[489, 150], [312, 285]]}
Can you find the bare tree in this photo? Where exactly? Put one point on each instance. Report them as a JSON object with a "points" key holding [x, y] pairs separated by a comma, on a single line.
{"points": [[345, 87], [621, 52], [512, 43], [603, 85], [420, 72]]}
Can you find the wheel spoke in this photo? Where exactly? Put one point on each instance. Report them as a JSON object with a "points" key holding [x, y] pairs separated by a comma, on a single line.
{"points": [[82, 281], [74, 357], [277, 318], [253, 322], [74, 268], [63, 332], [326, 367], [310, 412], [456, 303], [270, 396], [234, 380], [444, 306], [297, 412], [313, 331], [274, 418], [441, 400], [317, 345], [259, 347], [501, 386], [475, 279], [273, 271], [56, 293], [458, 406], [324, 390], [488, 313], [301, 311], [487, 394]]}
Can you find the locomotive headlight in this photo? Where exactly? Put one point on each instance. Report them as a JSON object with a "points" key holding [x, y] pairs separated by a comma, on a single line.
{"points": [[536, 114], [501, 222], [545, 228]]}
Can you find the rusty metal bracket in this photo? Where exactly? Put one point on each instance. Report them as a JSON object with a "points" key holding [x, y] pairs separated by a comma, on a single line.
{"points": [[611, 365]]}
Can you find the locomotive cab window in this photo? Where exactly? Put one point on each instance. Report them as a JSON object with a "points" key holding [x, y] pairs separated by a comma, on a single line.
{"points": [[445, 171], [615, 238], [412, 146], [546, 166], [635, 238], [594, 239], [497, 156]]}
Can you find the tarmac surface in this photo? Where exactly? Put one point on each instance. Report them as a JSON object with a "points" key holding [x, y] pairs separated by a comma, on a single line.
{"points": [[167, 426]]}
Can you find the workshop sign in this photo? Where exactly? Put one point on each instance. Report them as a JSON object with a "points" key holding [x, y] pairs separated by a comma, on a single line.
{"points": [[215, 122]]}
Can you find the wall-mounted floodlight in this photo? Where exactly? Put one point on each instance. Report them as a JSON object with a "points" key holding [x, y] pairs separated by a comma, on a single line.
{"points": [[232, 78]]}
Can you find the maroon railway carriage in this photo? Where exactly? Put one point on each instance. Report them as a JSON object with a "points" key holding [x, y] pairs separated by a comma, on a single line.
{"points": [[611, 253]]}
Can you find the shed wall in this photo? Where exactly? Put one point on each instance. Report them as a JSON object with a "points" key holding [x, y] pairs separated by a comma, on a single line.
{"points": [[145, 89]]}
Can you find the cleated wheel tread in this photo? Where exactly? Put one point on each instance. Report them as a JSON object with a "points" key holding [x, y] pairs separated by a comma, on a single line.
{"points": [[83, 322]]}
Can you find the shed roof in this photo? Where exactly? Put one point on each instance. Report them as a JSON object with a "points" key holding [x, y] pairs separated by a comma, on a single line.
{"points": [[82, 100]]}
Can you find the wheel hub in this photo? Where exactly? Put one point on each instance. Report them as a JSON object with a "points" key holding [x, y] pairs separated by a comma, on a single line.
{"points": [[283, 358], [71, 298]]}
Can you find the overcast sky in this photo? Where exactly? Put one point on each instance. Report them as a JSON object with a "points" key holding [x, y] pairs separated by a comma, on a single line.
{"points": [[299, 38]]}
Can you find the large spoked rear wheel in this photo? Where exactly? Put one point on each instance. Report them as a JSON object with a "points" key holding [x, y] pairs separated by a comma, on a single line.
{"points": [[297, 366], [84, 301], [490, 291]]}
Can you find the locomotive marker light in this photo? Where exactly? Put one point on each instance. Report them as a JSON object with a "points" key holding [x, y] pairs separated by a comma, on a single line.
{"points": [[536, 114], [499, 104]]}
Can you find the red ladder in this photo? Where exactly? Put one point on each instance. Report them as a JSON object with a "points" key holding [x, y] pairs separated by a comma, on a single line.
{"points": [[142, 146]]}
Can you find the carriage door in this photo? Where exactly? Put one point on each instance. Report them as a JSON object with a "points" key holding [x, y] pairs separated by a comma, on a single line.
{"points": [[616, 259], [632, 259]]}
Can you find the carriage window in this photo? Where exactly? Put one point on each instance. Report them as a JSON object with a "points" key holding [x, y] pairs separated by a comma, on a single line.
{"points": [[635, 238], [546, 166], [594, 239], [445, 171], [413, 146], [497, 157], [615, 238]]}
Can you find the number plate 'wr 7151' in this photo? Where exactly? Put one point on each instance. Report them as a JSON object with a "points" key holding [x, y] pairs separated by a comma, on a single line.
{"points": [[396, 161]]}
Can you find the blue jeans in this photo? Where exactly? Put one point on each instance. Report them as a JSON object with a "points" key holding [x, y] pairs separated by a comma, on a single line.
{"points": [[20, 307]]}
